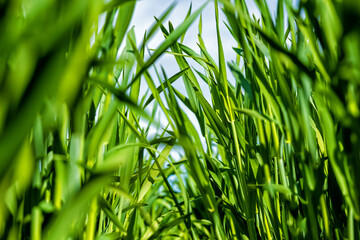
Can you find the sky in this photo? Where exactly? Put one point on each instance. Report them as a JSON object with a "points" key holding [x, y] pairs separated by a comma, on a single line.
{"points": [[143, 18]]}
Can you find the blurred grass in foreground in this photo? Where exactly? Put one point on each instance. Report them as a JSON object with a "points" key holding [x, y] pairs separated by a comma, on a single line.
{"points": [[281, 150]]}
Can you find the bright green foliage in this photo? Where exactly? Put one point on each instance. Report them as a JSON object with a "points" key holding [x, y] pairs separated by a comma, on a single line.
{"points": [[275, 157]]}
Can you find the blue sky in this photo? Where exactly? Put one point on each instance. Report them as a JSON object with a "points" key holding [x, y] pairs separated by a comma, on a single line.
{"points": [[143, 18]]}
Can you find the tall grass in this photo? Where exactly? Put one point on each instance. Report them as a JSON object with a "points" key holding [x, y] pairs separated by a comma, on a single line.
{"points": [[276, 155]]}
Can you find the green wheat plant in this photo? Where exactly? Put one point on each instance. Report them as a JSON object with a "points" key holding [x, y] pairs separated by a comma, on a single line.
{"points": [[96, 140]]}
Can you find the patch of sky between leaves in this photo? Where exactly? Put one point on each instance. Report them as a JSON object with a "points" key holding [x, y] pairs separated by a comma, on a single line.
{"points": [[143, 18]]}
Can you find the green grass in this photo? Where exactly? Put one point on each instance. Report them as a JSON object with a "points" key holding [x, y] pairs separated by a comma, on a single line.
{"points": [[276, 155]]}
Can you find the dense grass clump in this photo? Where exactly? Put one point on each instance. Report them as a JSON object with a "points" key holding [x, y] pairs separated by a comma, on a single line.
{"points": [[276, 155]]}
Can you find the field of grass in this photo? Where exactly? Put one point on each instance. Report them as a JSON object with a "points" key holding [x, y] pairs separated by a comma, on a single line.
{"points": [[276, 155]]}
